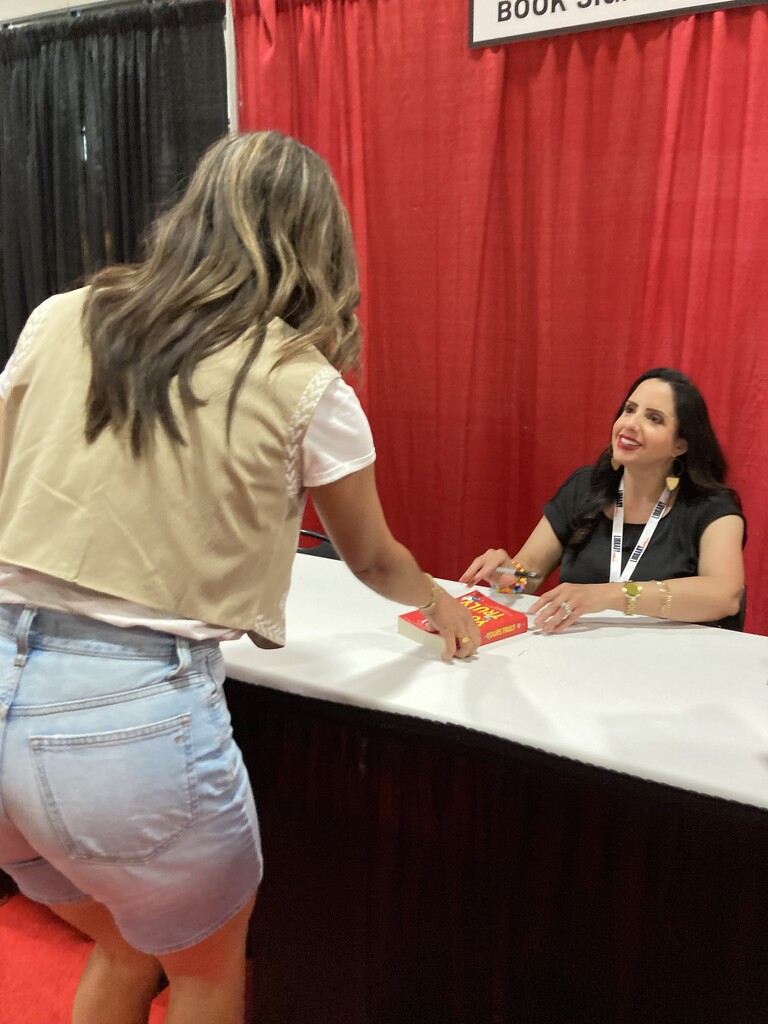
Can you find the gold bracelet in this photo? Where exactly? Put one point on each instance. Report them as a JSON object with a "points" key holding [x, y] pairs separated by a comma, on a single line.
{"points": [[429, 607], [666, 599]]}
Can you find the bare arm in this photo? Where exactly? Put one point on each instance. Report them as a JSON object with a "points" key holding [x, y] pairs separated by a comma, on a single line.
{"points": [[354, 520], [712, 595], [541, 553]]}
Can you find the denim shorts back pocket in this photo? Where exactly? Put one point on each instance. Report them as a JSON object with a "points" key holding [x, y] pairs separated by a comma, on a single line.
{"points": [[119, 797]]}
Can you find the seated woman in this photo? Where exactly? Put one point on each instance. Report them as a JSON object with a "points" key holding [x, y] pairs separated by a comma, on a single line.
{"points": [[650, 529]]}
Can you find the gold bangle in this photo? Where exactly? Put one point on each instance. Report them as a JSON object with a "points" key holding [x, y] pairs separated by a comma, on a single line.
{"points": [[429, 607], [666, 598]]}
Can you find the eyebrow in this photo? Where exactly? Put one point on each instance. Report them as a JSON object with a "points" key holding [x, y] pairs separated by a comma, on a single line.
{"points": [[631, 401]]}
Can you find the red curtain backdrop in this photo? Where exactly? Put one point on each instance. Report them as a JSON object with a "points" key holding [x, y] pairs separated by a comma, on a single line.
{"points": [[537, 224]]}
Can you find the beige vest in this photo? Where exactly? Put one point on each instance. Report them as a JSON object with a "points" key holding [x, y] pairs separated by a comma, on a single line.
{"points": [[206, 531]]}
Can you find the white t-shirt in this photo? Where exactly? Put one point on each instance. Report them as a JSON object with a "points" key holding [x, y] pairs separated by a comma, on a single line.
{"points": [[337, 442]]}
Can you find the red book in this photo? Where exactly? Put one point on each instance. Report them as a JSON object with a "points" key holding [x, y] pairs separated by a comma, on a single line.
{"points": [[495, 621]]}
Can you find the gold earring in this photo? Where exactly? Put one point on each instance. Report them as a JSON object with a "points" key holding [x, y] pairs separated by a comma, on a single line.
{"points": [[614, 464], [674, 479]]}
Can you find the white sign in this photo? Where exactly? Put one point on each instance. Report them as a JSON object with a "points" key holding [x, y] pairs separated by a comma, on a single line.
{"points": [[503, 21]]}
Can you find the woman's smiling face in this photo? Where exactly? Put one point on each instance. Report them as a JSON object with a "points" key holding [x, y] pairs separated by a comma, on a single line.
{"points": [[645, 434]]}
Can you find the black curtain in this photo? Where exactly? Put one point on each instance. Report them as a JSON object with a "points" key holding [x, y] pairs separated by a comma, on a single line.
{"points": [[102, 118]]}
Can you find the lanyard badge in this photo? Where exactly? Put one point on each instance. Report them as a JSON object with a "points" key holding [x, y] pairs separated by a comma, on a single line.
{"points": [[617, 536]]}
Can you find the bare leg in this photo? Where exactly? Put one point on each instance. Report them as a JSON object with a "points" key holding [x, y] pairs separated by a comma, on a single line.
{"points": [[207, 981], [118, 982]]}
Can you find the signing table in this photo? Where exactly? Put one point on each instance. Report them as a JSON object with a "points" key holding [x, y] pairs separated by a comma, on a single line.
{"points": [[567, 828]]}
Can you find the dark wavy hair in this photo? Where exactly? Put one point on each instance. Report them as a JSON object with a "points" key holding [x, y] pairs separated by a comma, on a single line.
{"points": [[260, 232], [704, 468]]}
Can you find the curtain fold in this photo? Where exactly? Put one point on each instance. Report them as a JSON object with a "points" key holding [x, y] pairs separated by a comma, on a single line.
{"points": [[538, 223], [103, 119]]}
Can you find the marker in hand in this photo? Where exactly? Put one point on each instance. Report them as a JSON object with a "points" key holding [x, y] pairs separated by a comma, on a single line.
{"points": [[511, 570]]}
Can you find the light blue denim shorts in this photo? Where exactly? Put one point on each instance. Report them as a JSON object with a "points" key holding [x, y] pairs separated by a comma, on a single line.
{"points": [[119, 778]]}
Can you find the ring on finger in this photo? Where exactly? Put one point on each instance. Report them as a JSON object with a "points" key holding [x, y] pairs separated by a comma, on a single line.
{"points": [[566, 609], [464, 640]]}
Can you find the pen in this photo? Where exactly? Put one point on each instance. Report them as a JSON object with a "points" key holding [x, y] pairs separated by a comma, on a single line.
{"points": [[509, 570]]}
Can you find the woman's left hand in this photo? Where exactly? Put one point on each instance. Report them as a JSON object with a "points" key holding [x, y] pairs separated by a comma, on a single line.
{"points": [[558, 609]]}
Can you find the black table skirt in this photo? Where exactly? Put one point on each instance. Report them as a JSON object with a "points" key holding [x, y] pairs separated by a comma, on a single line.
{"points": [[426, 874], [418, 873]]}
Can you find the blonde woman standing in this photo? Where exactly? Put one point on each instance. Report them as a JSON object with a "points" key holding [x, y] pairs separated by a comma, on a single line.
{"points": [[159, 431]]}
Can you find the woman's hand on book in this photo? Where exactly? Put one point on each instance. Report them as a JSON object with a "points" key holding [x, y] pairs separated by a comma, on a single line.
{"points": [[484, 568], [455, 625]]}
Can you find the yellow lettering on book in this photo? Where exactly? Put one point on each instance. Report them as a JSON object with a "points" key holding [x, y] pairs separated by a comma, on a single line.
{"points": [[513, 627], [482, 609]]}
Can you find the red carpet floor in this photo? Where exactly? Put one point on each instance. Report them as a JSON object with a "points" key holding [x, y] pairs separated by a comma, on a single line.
{"points": [[41, 959]]}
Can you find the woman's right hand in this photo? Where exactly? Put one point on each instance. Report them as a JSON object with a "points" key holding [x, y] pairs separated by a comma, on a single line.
{"points": [[353, 518], [484, 568], [455, 625]]}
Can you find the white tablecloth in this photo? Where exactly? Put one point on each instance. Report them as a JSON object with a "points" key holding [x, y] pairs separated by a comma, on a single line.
{"points": [[677, 704]]}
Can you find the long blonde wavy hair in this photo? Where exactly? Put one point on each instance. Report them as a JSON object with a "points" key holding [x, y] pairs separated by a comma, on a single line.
{"points": [[260, 232]]}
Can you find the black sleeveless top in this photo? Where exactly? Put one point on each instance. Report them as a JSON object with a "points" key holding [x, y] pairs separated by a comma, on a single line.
{"points": [[672, 553]]}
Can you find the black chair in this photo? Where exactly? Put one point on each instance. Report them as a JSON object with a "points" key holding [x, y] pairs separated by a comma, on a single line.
{"points": [[324, 549]]}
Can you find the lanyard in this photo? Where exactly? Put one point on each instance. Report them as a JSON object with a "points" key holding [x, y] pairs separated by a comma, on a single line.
{"points": [[645, 537]]}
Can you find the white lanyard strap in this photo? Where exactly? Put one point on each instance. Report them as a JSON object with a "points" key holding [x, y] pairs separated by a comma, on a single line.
{"points": [[617, 538]]}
